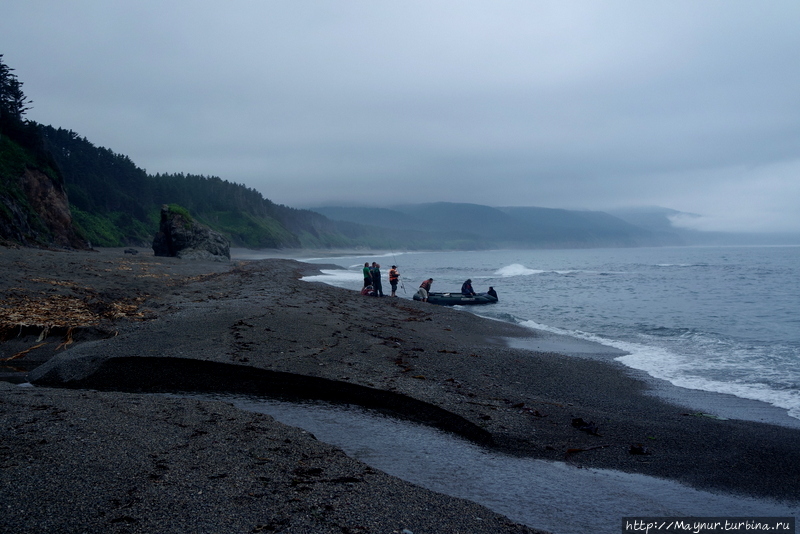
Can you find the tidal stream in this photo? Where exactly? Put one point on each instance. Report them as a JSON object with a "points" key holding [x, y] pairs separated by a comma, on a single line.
{"points": [[554, 496]]}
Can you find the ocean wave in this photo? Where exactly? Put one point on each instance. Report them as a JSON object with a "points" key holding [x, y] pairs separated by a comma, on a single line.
{"points": [[656, 362], [336, 277], [367, 255], [516, 269], [692, 372]]}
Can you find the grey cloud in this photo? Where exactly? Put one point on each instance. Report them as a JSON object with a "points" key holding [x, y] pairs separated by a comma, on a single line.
{"points": [[692, 105]]}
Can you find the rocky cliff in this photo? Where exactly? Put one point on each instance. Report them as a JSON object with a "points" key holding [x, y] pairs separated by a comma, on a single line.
{"points": [[34, 210]]}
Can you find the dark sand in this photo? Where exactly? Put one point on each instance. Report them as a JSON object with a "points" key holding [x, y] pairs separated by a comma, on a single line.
{"points": [[102, 457]]}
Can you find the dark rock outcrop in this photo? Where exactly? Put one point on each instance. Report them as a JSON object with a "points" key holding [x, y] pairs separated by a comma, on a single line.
{"points": [[185, 238], [35, 212]]}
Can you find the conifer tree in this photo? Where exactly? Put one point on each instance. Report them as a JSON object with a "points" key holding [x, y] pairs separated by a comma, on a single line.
{"points": [[13, 102]]}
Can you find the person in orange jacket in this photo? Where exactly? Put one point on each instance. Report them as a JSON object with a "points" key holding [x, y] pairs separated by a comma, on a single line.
{"points": [[394, 278]]}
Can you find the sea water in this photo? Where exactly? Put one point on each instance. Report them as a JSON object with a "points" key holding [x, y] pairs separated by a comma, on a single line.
{"points": [[714, 319], [554, 496]]}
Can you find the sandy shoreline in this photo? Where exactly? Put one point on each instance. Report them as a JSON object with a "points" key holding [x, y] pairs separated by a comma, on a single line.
{"points": [[179, 323]]}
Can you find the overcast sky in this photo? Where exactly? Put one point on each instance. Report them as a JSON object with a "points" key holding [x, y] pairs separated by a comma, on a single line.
{"points": [[691, 105]]}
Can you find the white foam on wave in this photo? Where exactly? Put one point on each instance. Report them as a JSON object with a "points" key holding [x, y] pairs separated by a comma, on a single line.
{"points": [[664, 364], [351, 256], [516, 269], [336, 277]]}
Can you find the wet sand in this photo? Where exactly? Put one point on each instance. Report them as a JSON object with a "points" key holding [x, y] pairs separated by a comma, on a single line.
{"points": [[86, 448]]}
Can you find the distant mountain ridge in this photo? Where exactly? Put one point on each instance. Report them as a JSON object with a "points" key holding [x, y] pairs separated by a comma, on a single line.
{"points": [[446, 225], [479, 226], [113, 203]]}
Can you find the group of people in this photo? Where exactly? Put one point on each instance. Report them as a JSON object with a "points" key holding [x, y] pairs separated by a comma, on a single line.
{"points": [[466, 289], [373, 285]]}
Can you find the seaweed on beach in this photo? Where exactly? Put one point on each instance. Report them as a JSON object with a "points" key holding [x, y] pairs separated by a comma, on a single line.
{"points": [[64, 311]]}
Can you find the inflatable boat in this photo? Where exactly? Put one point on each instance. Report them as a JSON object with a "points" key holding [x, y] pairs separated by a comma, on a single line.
{"points": [[453, 299]]}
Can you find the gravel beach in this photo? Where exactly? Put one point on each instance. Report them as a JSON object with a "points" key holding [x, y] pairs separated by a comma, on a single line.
{"points": [[87, 450]]}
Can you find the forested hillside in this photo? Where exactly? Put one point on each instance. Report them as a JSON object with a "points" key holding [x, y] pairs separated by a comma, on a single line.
{"points": [[33, 204], [57, 188], [115, 203]]}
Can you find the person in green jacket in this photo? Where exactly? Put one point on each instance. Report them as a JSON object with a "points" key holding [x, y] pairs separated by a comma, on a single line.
{"points": [[367, 275]]}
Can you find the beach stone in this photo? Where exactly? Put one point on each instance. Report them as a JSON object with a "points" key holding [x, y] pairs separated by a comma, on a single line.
{"points": [[256, 325], [180, 236]]}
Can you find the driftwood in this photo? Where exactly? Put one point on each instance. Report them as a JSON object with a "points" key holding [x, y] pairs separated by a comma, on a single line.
{"points": [[22, 353], [67, 339]]}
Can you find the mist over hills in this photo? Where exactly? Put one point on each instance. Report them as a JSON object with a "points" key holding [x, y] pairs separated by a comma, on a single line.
{"points": [[478, 226], [115, 203], [661, 221], [58, 188], [447, 225]]}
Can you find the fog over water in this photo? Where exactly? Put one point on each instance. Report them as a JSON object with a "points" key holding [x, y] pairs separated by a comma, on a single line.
{"points": [[688, 105]]}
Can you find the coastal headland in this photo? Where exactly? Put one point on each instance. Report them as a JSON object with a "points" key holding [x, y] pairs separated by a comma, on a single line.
{"points": [[89, 448]]}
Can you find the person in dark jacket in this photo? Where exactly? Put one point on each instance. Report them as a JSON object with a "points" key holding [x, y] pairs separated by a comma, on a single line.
{"points": [[376, 279], [466, 289]]}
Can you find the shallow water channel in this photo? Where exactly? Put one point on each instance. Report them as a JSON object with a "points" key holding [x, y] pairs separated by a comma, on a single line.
{"points": [[553, 496]]}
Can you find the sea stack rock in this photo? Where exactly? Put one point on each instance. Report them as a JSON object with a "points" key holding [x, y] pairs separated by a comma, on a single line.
{"points": [[181, 236]]}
